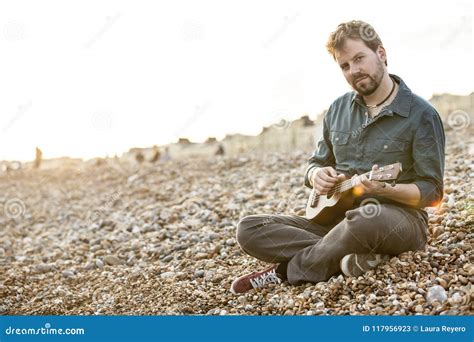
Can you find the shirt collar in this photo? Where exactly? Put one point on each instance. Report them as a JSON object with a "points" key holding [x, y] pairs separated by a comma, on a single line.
{"points": [[400, 105]]}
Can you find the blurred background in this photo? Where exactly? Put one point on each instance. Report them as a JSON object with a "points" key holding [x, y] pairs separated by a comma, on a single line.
{"points": [[94, 79]]}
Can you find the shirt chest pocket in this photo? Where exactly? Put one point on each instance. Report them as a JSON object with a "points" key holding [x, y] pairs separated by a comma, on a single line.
{"points": [[340, 143], [388, 151], [388, 146]]}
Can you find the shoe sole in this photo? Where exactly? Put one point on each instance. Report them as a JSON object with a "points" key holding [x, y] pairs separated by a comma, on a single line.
{"points": [[232, 287], [344, 265]]}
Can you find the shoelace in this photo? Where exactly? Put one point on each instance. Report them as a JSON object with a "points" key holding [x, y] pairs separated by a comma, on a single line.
{"points": [[269, 277]]}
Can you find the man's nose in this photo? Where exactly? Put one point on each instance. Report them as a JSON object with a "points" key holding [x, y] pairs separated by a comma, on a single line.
{"points": [[354, 69]]}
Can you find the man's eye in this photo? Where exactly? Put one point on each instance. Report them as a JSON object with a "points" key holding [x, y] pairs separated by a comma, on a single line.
{"points": [[358, 59]]}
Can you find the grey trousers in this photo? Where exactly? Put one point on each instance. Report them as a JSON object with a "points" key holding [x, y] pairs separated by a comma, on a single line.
{"points": [[311, 252]]}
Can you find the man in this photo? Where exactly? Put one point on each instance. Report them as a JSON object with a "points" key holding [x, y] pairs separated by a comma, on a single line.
{"points": [[38, 158], [381, 122]]}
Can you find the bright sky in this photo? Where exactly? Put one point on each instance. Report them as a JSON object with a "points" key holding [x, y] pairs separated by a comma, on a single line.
{"points": [[90, 78]]}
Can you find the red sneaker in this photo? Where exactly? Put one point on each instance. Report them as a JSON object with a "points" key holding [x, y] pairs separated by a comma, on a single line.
{"points": [[255, 280]]}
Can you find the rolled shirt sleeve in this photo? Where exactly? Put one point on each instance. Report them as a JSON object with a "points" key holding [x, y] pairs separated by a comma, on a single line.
{"points": [[428, 158], [323, 155]]}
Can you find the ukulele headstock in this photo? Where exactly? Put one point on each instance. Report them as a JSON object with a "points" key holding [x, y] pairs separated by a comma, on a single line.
{"points": [[386, 173]]}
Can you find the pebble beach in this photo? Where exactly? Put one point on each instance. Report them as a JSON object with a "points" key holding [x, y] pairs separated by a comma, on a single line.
{"points": [[114, 238]]}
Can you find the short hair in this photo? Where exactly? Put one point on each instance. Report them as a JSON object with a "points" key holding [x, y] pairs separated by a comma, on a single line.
{"points": [[354, 29]]}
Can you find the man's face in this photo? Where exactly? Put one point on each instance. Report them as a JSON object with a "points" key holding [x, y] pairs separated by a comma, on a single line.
{"points": [[362, 67]]}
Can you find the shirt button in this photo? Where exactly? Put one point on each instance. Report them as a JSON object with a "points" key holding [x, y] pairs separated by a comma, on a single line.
{"points": [[337, 138], [385, 146]]}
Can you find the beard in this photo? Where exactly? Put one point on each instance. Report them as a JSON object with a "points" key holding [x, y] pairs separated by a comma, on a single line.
{"points": [[369, 83]]}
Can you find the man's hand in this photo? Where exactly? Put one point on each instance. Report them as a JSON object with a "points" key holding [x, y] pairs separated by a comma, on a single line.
{"points": [[404, 193], [324, 178], [366, 186]]}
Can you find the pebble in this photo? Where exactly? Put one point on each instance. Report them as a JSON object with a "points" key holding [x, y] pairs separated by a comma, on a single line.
{"points": [[68, 273], [319, 306], [456, 298], [168, 258], [437, 231], [436, 293], [442, 282], [230, 242], [167, 275], [45, 267], [199, 273], [469, 268], [112, 260]]}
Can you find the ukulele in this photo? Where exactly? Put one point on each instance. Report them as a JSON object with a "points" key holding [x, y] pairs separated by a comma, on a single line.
{"points": [[324, 209]]}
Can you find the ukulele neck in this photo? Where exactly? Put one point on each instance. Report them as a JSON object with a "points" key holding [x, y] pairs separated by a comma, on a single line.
{"points": [[349, 183]]}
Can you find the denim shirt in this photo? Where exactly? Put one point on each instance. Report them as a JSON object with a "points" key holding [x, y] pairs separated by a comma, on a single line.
{"points": [[409, 130]]}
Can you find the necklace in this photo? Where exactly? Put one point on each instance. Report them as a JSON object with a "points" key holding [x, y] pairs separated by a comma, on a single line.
{"points": [[385, 99]]}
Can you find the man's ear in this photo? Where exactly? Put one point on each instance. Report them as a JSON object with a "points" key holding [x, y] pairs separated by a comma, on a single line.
{"points": [[382, 53]]}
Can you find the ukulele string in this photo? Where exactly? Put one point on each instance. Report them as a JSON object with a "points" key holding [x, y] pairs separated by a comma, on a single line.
{"points": [[341, 185]]}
